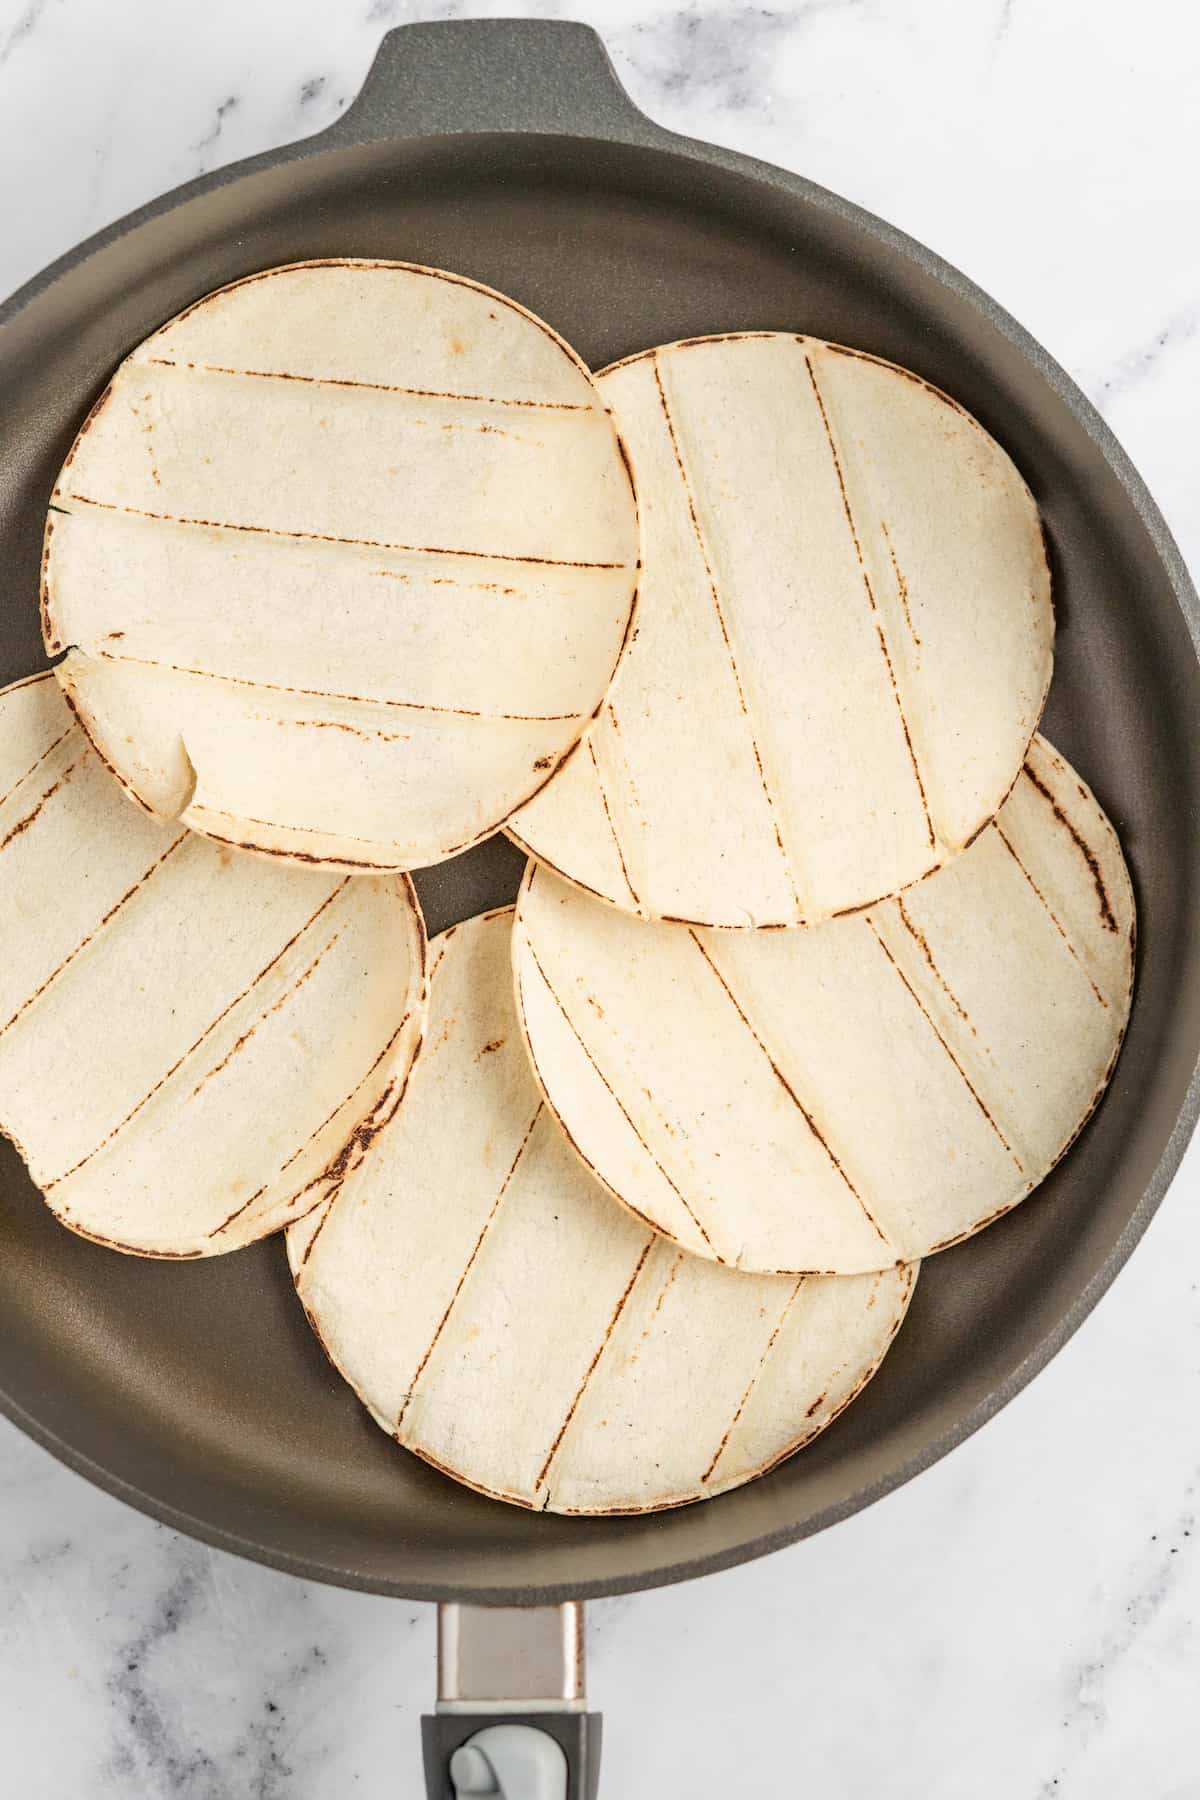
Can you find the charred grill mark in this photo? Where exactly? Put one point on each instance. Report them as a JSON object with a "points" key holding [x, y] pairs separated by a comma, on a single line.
{"points": [[329, 537], [353, 1152], [49, 636], [790, 1091], [471, 587], [273, 824], [965, 1078], [1108, 917], [612, 825], [462, 712], [311, 1244], [5, 798], [611, 1091], [148, 433], [259, 1022], [635, 799], [703, 925], [753, 1381], [96, 929], [547, 767], [375, 387], [1050, 912], [470, 1263], [623, 449], [386, 737], [591, 1368], [481, 430], [207, 1032], [668, 1284], [627, 636], [848, 912], [922, 942], [901, 583], [23, 824], [879, 631], [721, 621]]}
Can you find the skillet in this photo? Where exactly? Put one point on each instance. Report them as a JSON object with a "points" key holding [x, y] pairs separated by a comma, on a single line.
{"points": [[506, 150]]}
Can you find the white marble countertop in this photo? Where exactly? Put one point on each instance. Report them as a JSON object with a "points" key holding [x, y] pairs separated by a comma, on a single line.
{"points": [[1023, 1621]]}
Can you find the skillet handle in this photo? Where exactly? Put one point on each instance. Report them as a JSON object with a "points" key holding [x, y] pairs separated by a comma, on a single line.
{"points": [[512, 1720], [459, 75]]}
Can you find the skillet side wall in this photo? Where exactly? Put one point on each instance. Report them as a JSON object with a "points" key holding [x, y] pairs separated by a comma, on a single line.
{"points": [[196, 1391]]}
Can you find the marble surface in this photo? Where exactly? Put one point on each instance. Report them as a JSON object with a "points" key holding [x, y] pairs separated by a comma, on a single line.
{"points": [[1023, 1621]]}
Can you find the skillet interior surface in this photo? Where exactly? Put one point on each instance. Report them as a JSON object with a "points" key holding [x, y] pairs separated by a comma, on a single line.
{"points": [[195, 1390]]}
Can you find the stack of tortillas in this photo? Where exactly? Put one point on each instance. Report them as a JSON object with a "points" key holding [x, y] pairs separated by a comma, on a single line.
{"points": [[823, 960]]}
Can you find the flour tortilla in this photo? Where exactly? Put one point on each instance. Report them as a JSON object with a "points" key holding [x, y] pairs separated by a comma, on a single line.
{"points": [[502, 1318], [344, 557], [188, 1037], [875, 1088], [843, 645]]}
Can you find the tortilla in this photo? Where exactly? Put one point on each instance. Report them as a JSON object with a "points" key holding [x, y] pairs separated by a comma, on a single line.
{"points": [[499, 1316], [843, 647], [873, 1089], [344, 557], [188, 1037]]}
